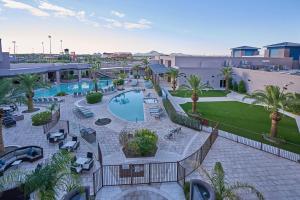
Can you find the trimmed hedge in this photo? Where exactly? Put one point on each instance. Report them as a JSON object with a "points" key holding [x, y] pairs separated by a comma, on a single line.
{"points": [[180, 118], [61, 94], [41, 118], [94, 97], [242, 87], [235, 86], [158, 89]]}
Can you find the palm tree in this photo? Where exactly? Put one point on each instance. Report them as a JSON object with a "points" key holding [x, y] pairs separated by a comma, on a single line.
{"points": [[197, 87], [146, 67], [136, 68], [227, 73], [48, 181], [95, 68], [273, 98], [222, 189], [173, 73], [27, 83]]}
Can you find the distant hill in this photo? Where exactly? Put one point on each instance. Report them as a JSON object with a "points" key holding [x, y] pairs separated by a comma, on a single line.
{"points": [[151, 53]]}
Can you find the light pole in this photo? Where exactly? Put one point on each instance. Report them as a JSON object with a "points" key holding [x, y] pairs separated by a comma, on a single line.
{"points": [[61, 49], [43, 47], [49, 36], [14, 42]]}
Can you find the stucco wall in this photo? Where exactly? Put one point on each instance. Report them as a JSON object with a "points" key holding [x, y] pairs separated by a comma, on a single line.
{"points": [[255, 79]]}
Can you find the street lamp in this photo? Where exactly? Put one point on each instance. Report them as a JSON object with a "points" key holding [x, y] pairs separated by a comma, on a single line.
{"points": [[43, 47], [49, 36], [14, 42], [61, 49]]}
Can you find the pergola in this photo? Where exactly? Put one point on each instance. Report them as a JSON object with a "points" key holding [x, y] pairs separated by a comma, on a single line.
{"points": [[158, 70]]}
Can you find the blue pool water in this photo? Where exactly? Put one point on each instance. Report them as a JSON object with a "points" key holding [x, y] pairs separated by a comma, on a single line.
{"points": [[128, 106], [70, 88]]}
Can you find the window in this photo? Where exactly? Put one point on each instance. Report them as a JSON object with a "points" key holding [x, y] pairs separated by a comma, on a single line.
{"points": [[222, 83], [275, 53]]}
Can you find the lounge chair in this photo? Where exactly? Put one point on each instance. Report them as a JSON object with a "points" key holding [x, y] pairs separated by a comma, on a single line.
{"points": [[40, 100], [50, 100]]}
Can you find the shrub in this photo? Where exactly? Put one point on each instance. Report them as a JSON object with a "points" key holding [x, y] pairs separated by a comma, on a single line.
{"points": [[235, 86], [158, 89], [117, 82], [242, 87], [94, 97], [186, 190], [41, 118], [61, 94], [143, 143], [230, 84]]}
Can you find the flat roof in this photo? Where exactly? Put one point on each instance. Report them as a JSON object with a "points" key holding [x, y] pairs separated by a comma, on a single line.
{"points": [[245, 48], [28, 68], [159, 68], [284, 44]]}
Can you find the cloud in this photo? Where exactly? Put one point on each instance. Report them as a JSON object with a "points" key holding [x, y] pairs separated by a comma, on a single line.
{"points": [[117, 13], [113, 23], [23, 6], [60, 11]]}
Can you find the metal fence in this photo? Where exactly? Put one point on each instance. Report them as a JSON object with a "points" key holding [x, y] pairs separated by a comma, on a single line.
{"points": [[54, 119], [155, 172], [261, 146]]}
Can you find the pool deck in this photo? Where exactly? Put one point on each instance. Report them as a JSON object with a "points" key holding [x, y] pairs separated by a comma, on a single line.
{"points": [[275, 177]]}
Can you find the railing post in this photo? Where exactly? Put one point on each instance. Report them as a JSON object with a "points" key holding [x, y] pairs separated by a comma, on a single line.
{"points": [[177, 171], [149, 166], [94, 184]]}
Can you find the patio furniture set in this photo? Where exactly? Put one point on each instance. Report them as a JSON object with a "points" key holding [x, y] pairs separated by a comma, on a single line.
{"points": [[54, 137], [10, 119], [173, 133], [83, 163], [47, 100], [70, 146], [156, 112], [17, 156], [83, 112]]}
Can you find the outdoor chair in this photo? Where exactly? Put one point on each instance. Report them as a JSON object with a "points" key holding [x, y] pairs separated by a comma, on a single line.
{"points": [[45, 100], [50, 100], [60, 144], [169, 136], [74, 138], [89, 155], [76, 169], [52, 140], [40, 100], [61, 130], [48, 136], [88, 166]]}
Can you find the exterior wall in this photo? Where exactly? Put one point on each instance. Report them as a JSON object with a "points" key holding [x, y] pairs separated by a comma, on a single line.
{"points": [[5, 63], [244, 52], [256, 80]]}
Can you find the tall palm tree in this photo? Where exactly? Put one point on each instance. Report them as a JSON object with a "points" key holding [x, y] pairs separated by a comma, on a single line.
{"points": [[48, 181], [173, 73], [95, 68], [197, 87], [273, 98], [146, 67], [222, 189], [227, 73], [27, 83]]}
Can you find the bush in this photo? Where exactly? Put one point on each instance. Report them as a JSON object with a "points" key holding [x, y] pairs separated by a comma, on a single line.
{"points": [[235, 86], [242, 87], [41, 118], [230, 83], [61, 94], [94, 97], [143, 143], [158, 89], [186, 190], [117, 82]]}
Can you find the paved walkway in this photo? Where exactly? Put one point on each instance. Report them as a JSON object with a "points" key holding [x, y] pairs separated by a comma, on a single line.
{"points": [[275, 177]]}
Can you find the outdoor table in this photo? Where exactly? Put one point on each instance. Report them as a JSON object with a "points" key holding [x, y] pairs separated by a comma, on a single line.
{"points": [[56, 134], [69, 145], [81, 160]]}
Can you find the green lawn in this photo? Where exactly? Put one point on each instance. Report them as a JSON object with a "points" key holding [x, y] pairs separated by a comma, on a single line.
{"points": [[208, 93], [248, 120]]}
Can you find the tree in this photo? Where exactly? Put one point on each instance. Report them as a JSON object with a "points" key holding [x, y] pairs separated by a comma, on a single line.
{"points": [[136, 68], [147, 67], [95, 68], [27, 83], [235, 86], [242, 87], [173, 73], [222, 189], [197, 87], [47, 180], [227, 73], [273, 98]]}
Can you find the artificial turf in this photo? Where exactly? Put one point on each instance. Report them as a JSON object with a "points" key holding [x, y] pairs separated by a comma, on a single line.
{"points": [[205, 93], [248, 121]]}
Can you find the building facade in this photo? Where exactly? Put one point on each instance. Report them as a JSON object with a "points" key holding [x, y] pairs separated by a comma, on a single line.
{"points": [[244, 51]]}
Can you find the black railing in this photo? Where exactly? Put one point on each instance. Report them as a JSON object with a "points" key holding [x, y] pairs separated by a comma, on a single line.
{"points": [[54, 120]]}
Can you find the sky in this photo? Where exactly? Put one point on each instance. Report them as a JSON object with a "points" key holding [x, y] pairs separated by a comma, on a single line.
{"points": [[200, 27]]}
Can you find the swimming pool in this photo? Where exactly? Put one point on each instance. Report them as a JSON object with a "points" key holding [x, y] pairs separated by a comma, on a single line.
{"points": [[128, 106], [70, 88]]}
